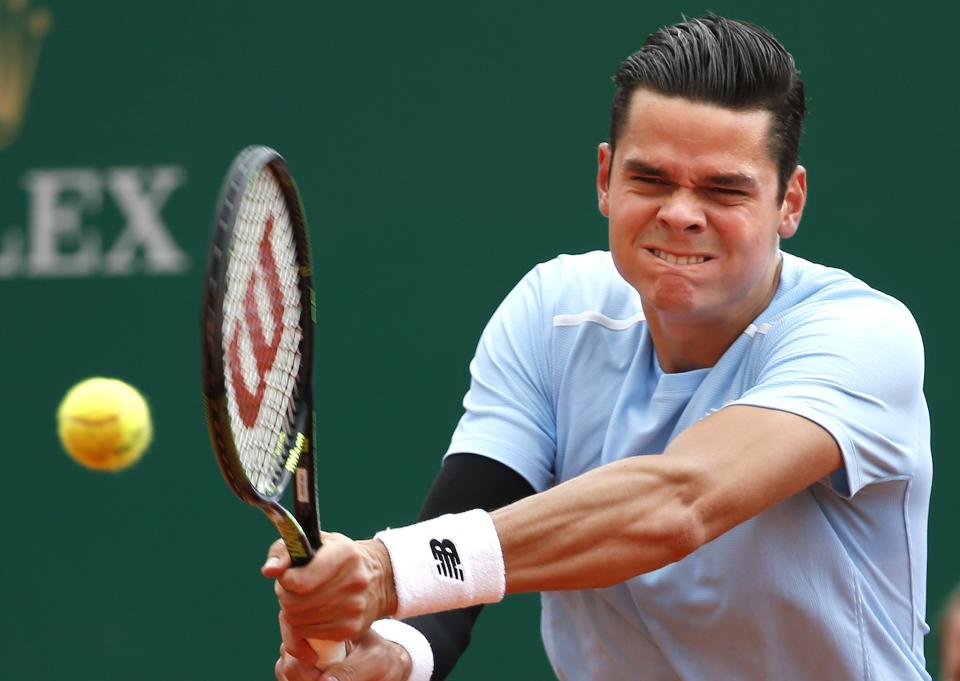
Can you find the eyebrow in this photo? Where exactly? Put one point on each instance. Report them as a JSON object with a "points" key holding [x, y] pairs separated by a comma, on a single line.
{"points": [[735, 180], [634, 165]]}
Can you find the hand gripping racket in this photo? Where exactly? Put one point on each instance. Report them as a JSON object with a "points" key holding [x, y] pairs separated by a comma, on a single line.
{"points": [[257, 351]]}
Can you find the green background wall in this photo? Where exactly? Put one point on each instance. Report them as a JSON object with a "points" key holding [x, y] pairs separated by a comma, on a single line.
{"points": [[442, 149]]}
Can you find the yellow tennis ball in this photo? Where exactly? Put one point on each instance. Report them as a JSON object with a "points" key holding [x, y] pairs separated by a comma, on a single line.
{"points": [[104, 424]]}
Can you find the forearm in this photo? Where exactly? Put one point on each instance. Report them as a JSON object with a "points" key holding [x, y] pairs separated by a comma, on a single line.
{"points": [[641, 513], [603, 527], [618, 520]]}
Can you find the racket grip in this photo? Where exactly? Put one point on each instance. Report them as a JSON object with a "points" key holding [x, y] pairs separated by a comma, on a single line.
{"points": [[328, 652]]}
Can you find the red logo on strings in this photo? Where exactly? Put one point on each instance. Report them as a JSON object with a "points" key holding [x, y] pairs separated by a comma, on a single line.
{"points": [[264, 351]]}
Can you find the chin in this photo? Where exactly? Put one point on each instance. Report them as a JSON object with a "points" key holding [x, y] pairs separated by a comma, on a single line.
{"points": [[673, 294]]}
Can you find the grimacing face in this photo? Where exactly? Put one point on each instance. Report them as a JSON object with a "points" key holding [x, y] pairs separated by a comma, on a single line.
{"points": [[694, 217]]}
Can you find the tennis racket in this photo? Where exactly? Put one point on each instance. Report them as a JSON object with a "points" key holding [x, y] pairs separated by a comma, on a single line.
{"points": [[257, 351]]}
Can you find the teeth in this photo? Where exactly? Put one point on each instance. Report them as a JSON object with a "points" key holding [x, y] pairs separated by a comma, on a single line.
{"points": [[679, 259]]}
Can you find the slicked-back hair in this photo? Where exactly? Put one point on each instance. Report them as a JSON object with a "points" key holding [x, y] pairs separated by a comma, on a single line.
{"points": [[720, 61]]}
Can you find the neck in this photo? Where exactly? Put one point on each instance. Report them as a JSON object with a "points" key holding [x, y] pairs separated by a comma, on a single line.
{"points": [[685, 345], [682, 347]]}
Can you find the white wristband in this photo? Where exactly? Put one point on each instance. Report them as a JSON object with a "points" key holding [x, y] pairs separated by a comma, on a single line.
{"points": [[450, 562], [415, 643]]}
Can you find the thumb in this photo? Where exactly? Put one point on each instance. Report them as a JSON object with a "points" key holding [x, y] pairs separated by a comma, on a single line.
{"points": [[338, 672], [278, 560], [354, 667]]}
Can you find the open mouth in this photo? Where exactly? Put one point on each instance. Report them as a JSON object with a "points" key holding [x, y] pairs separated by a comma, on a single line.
{"points": [[679, 259]]}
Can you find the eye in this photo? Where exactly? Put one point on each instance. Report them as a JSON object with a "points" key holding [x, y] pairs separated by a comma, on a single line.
{"points": [[646, 179], [727, 196]]}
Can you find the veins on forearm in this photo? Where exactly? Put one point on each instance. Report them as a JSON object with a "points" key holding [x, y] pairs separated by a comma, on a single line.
{"points": [[603, 527]]}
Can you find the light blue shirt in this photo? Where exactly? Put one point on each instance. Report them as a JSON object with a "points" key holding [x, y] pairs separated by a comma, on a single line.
{"points": [[829, 584]]}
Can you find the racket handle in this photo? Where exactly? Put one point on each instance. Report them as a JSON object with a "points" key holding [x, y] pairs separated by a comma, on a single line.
{"points": [[328, 652]]}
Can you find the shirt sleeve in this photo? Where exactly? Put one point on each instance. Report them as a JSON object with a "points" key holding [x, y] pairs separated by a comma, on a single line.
{"points": [[856, 369], [509, 414]]}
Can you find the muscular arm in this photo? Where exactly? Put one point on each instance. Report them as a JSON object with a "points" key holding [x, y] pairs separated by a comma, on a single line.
{"points": [[601, 528], [465, 481], [644, 512]]}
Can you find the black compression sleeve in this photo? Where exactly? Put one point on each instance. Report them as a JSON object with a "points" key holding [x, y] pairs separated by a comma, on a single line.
{"points": [[465, 482]]}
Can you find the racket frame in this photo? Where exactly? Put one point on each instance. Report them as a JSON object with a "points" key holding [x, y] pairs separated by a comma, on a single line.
{"points": [[301, 530]]}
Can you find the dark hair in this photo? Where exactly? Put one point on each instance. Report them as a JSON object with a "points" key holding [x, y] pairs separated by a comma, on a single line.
{"points": [[721, 61]]}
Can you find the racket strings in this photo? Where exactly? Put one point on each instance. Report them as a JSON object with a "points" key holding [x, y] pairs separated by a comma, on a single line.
{"points": [[261, 332]]}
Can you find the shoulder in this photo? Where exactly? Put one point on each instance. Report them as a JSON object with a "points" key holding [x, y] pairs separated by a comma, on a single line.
{"points": [[821, 311], [585, 283], [810, 292]]}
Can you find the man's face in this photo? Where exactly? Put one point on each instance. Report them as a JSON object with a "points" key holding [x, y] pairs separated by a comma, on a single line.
{"points": [[692, 200]]}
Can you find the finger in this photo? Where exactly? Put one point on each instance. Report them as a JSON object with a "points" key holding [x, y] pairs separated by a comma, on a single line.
{"points": [[307, 589], [343, 621], [370, 659], [342, 617], [278, 560], [326, 606], [339, 558], [347, 671], [326, 537], [289, 668], [295, 645], [333, 631]]}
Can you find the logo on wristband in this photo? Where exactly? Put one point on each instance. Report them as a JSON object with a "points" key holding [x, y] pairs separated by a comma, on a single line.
{"points": [[448, 560]]}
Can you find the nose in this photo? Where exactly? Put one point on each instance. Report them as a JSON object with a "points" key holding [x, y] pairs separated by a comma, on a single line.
{"points": [[681, 211]]}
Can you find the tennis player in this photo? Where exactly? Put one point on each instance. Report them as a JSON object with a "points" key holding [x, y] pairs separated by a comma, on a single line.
{"points": [[712, 457]]}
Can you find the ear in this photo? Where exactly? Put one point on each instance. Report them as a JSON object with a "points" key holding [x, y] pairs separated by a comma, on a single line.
{"points": [[604, 159], [794, 199]]}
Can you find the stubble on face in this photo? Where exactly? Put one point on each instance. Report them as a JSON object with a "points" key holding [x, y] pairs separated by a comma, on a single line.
{"points": [[696, 180], [689, 178], [673, 292]]}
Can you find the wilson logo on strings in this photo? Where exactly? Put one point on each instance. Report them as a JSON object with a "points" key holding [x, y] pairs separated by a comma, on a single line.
{"points": [[264, 350]]}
